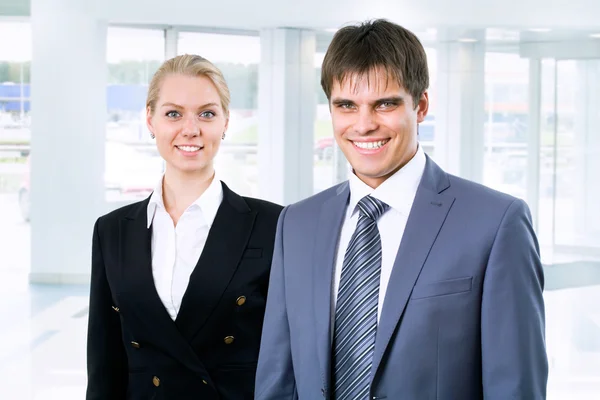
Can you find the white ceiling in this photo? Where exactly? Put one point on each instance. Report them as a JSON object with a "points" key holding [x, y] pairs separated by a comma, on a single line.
{"points": [[506, 21], [324, 14]]}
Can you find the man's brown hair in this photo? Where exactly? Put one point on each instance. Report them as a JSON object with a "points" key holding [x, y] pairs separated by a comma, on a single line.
{"points": [[378, 44]]}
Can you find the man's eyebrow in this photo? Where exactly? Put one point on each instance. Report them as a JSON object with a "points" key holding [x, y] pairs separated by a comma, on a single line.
{"points": [[392, 99], [389, 99], [339, 100]]}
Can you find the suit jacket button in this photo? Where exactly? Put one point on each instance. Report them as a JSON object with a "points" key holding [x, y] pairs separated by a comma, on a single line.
{"points": [[135, 345], [229, 339], [156, 381], [115, 308], [203, 381], [240, 300]]}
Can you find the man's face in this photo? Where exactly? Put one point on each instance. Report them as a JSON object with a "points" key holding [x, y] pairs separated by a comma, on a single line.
{"points": [[375, 124]]}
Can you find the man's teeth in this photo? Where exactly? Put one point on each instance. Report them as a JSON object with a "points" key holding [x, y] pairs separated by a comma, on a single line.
{"points": [[370, 145], [188, 148]]}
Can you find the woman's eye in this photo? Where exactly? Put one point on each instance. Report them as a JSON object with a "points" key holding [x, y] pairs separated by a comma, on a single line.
{"points": [[207, 114], [172, 114]]}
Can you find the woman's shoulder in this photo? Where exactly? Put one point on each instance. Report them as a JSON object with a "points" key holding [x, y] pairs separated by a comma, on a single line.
{"points": [[130, 210], [263, 206]]}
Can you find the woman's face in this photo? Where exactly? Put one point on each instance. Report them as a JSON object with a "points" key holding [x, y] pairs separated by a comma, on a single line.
{"points": [[188, 122]]}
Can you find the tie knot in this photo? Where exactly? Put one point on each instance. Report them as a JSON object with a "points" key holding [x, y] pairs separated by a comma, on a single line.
{"points": [[372, 207]]}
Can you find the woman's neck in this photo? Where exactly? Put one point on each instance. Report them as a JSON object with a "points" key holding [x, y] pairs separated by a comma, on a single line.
{"points": [[181, 189]]}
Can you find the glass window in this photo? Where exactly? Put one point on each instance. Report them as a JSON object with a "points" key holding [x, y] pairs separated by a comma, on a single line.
{"points": [[427, 127], [15, 134], [15, 118], [569, 159], [238, 57], [546, 183], [133, 166], [505, 127], [325, 146]]}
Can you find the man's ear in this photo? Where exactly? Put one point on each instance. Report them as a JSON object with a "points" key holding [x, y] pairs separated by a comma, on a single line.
{"points": [[422, 107]]}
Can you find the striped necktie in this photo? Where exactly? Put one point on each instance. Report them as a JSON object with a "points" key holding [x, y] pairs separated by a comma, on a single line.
{"points": [[356, 310]]}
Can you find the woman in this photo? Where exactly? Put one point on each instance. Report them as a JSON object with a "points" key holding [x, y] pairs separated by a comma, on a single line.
{"points": [[179, 280]]}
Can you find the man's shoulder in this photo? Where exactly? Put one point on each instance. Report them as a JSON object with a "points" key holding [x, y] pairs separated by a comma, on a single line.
{"points": [[479, 202], [464, 188]]}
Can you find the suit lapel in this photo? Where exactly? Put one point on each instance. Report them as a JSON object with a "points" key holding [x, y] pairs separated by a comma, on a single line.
{"points": [[326, 244], [137, 265], [426, 218], [218, 262], [140, 290]]}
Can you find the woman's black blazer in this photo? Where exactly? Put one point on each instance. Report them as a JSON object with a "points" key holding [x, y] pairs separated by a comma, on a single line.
{"points": [[136, 351]]}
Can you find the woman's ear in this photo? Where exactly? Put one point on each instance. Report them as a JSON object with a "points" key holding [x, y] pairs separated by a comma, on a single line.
{"points": [[149, 122]]}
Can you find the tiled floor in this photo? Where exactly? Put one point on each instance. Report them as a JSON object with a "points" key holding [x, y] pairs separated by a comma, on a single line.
{"points": [[42, 350]]}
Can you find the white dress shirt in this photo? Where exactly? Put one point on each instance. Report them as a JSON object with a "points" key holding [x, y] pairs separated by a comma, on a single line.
{"points": [[398, 192], [176, 249]]}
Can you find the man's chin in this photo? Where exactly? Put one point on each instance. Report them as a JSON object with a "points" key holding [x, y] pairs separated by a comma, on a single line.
{"points": [[371, 178]]}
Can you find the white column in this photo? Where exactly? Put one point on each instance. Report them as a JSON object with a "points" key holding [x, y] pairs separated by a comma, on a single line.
{"points": [[171, 40], [68, 137], [459, 138], [534, 142], [586, 157], [287, 102]]}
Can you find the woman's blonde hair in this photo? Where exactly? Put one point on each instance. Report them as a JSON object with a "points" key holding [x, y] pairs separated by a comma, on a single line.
{"points": [[190, 65]]}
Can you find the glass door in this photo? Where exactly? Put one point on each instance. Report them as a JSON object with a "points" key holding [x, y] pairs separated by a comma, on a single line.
{"points": [[569, 195], [569, 224]]}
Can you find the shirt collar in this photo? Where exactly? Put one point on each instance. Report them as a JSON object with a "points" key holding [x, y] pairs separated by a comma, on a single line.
{"points": [[208, 202], [398, 191]]}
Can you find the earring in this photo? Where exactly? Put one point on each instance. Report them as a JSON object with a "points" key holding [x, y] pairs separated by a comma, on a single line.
{"points": [[223, 137], [152, 135]]}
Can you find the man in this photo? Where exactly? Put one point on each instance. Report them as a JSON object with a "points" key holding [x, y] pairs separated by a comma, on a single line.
{"points": [[404, 282]]}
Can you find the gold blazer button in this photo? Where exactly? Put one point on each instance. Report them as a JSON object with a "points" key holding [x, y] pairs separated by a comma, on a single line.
{"points": [[229, 339], [240, 300]]}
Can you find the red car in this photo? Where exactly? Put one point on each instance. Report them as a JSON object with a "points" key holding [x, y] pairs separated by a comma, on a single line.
{"points": [[324, 148]]}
